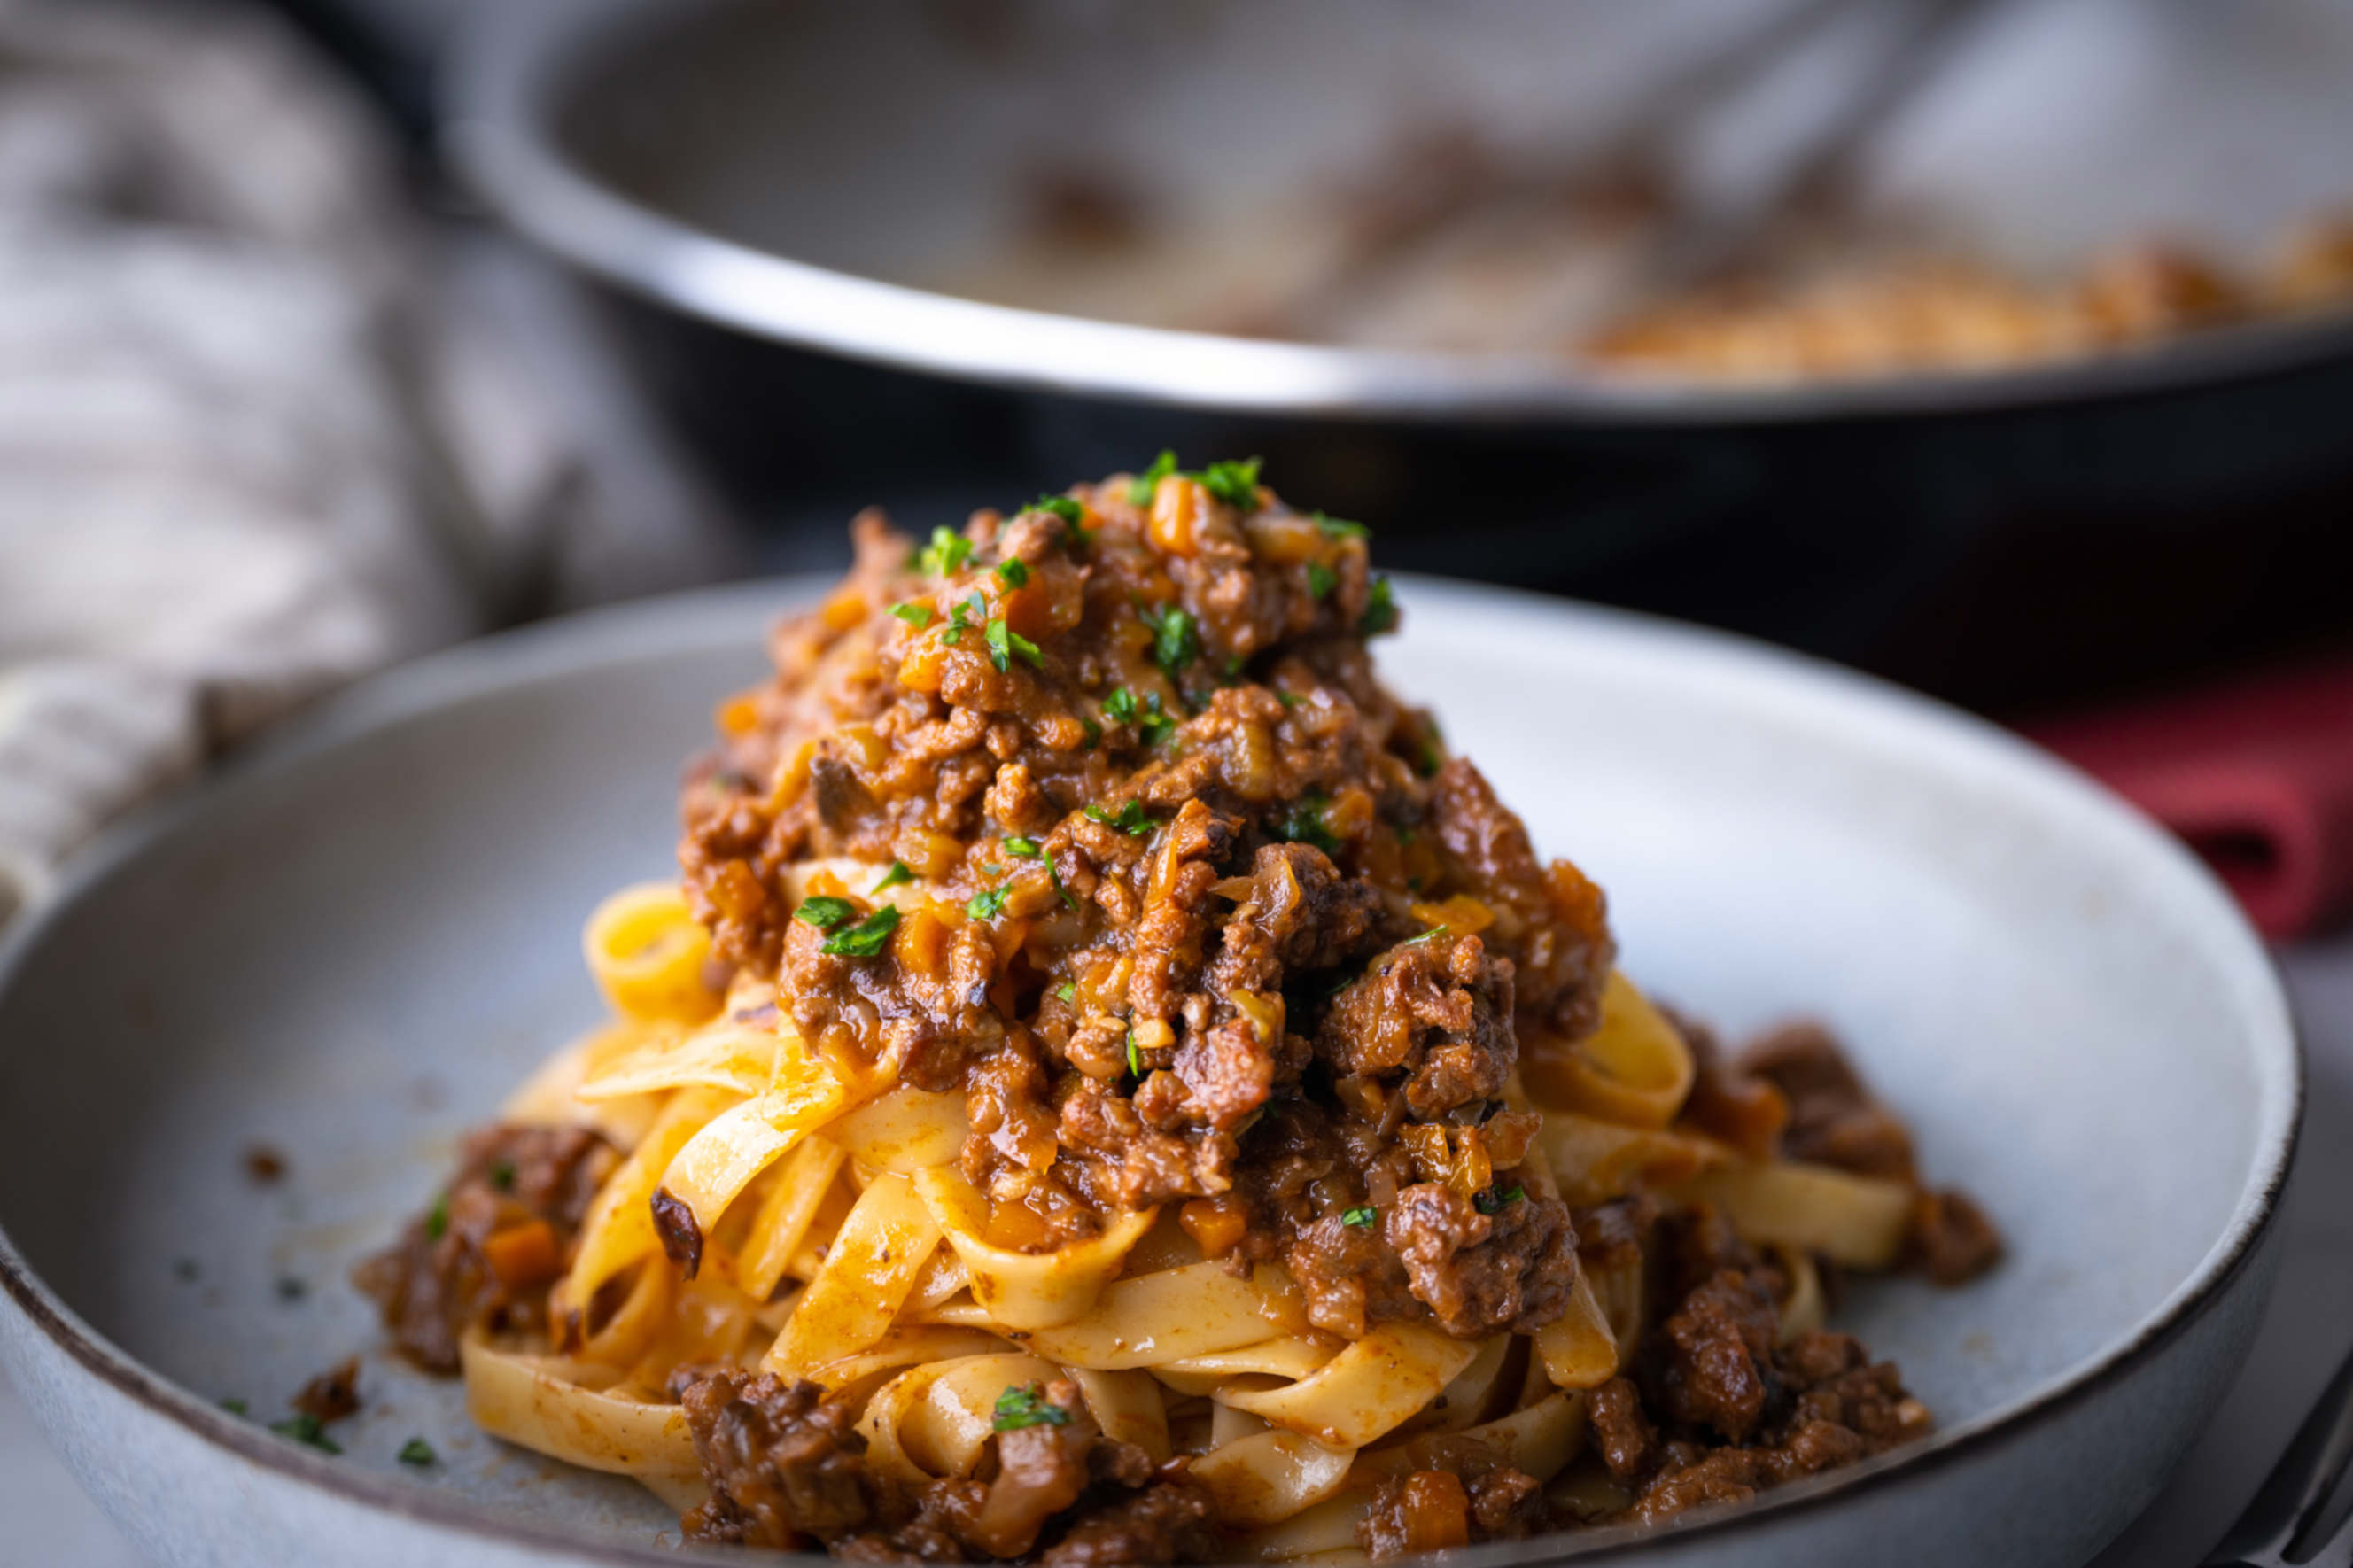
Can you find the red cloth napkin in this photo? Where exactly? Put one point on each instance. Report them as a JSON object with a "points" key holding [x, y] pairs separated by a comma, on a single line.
{"points": [[2257, 775]]}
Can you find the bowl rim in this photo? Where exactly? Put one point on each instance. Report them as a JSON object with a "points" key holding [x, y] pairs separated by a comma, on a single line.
{"points": [[705, 620], [507, 85]]}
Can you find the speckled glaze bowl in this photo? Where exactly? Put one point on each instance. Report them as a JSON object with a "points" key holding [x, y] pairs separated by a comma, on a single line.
{"points": [[349, 946]]}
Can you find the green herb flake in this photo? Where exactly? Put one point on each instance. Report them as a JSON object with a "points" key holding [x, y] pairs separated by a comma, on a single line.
{"points": [[1154, 726], [503, 1175], [1493, 1201], [1130, 818], [1339, 527], [1304, 824], [1287, 699], [234, 1406], [1006, 645], [306, 1428], [1054, 875], [944, 557], [897, 874], [1174, 642], [437, 1218], [1064, 507], [1320, 580], [1120, 705], [865, 938], [987, 906], [1380, 610], [1140, 488], [1361, 1218], [1234, 482], [1432, 934], [1023, 849], [914, 615], [1135, 1057], [1093, 732], [417, 1451], [1013, 574], [1019, 1407], [823, 912], [1067, 990], [957, 624]]}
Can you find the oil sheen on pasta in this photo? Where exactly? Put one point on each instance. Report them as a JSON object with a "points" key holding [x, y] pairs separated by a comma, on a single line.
{"points": [[1110, 1087]]}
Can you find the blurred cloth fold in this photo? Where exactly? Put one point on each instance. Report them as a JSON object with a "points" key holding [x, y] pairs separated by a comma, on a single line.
{"points": [[262, 429]]}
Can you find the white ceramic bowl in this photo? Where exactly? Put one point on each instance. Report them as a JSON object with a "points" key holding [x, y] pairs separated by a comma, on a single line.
{"points": [[351, 945]]}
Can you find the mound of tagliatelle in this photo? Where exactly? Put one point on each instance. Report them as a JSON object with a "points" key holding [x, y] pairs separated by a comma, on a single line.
{"points": [[1109, 1086]]}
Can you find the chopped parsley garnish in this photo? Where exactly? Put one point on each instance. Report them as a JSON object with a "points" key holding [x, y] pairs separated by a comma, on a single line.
{"points": [[1339, 527], [437, 1218], [1362, 1218], [1380, 609], [1006, 645], [944, 557], [1151, 724], [1140, 488], [865, 938], [1320, 580], [306, 1428], [1135, 1057], [914, 615], [503, 1175], [1093, 732], [824, 913], [234, 1406], [1154, 726], [1304, 824], [1234, 482], [897, 874], [1023, 849], [1175, 643], [1130, 818], [1014, 573], [1068, 991], [1432, 934], [1054, 875], [1493, 1201], [418, 1452], [1019, 1407], [958, 623], [987, 906], [1064, 507], [1287, 699]]}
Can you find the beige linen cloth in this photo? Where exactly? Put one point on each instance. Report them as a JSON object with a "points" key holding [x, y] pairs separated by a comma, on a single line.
{"points": [[262, 430]]}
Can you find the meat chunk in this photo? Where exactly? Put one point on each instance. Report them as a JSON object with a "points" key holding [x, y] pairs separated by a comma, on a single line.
{"points": [[1484, 1273], [1716, 1369], [1621, 1433], [1434, 1013], [1167, 1522], [484, 1254], [1834, 1119], [1563, 948], [333, 1393], [1953, 1241], [784, 1464]]}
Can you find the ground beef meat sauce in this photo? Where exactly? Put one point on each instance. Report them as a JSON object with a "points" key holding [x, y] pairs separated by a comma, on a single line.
{"points": [[1206, 919], [485, 1254]]}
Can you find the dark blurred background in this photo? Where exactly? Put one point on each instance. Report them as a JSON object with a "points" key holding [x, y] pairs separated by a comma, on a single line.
{"points": [[1997, 347]]}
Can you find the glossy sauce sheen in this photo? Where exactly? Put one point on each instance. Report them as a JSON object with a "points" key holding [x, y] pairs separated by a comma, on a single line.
{"points": [[1201, 914]]}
